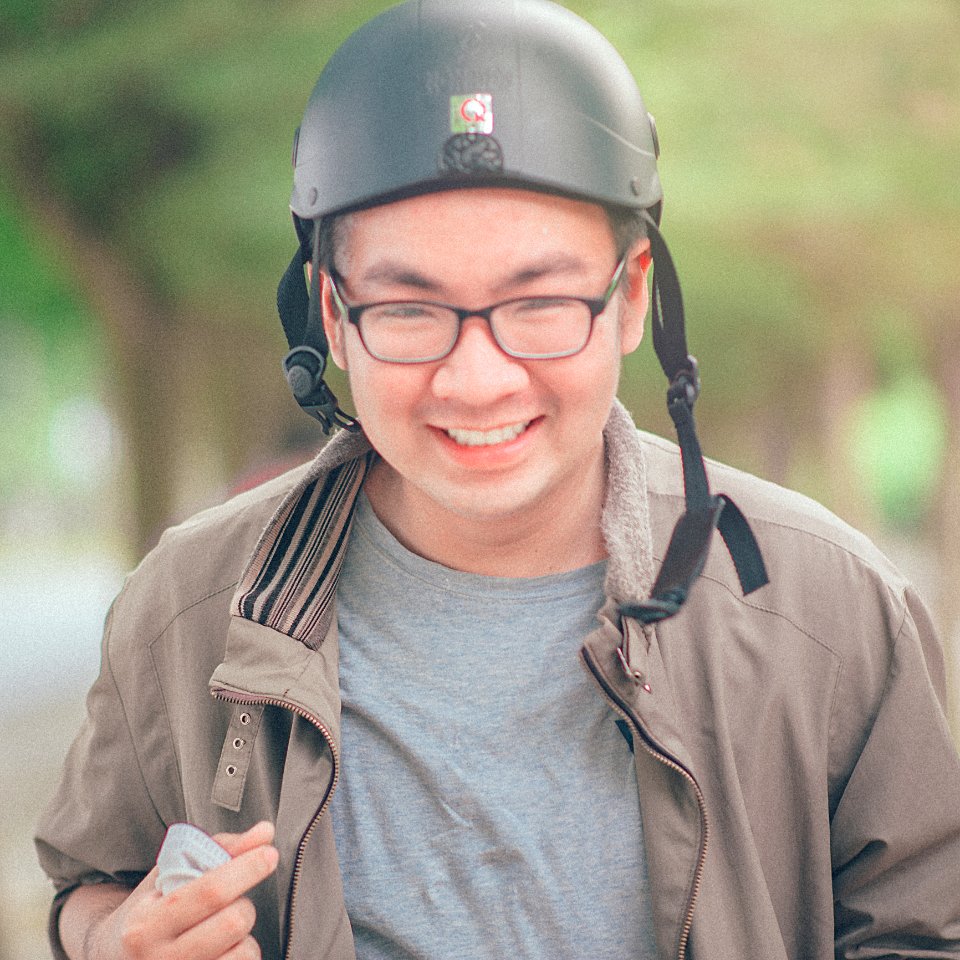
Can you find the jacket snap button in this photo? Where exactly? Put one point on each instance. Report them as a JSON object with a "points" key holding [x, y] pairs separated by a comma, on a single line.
{"points": [[231, 770], [238, 743]]}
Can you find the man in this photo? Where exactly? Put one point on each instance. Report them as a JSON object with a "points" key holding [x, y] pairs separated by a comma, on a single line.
{"points": [[470, 696]]}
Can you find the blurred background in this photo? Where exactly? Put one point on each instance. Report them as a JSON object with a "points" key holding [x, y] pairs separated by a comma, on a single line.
{"points": [[810, 160]]}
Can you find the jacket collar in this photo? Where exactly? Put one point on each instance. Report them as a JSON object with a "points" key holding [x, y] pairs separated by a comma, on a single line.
{"points": [[625, 522], [289, 583], [290, 580]]}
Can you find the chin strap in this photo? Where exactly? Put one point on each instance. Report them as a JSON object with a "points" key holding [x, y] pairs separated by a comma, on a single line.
{"points": [[306, 362], [690, 541]]}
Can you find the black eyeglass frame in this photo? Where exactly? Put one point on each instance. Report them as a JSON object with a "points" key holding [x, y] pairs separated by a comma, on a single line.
{"points": [[596, 306]]}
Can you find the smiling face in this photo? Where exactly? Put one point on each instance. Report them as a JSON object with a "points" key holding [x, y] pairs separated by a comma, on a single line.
{"points": [[481, 451]]}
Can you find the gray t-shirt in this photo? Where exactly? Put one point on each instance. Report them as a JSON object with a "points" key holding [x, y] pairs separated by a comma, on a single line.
{"points": [[487, 804]]}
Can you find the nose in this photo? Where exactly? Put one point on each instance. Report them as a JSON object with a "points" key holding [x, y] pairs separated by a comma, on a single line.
{"points": [[477, 371]]}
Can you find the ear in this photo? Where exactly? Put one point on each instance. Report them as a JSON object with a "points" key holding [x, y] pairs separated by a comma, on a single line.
{"points": [[635, 295], [332, 322]]}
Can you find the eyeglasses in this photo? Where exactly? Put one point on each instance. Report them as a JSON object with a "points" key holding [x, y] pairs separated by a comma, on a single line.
{"points": [[528, 328]]}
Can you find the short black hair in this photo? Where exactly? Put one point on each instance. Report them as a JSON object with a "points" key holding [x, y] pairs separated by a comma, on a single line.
{"points": [[628, 225]]}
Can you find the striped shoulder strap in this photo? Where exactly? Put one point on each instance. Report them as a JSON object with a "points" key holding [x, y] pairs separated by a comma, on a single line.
{"points": [[290, 581]]}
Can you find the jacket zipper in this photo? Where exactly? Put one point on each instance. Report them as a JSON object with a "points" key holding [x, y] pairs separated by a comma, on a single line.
{"points": [[650, 746], [305, 839]]}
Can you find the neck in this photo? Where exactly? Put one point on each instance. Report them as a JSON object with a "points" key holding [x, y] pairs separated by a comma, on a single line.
{"points": [[562, 533]]}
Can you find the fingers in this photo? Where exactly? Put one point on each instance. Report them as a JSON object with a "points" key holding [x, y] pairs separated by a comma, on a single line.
{"points": [[207, 918], [247, 949], [206, 896], [225, 934], [237, 843]]}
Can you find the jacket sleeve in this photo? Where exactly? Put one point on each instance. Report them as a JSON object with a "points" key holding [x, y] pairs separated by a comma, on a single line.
{"points": [[101, 826], [896, 831]]}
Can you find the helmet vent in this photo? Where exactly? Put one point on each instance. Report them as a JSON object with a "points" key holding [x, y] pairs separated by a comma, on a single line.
{"points": [[471, 153]]}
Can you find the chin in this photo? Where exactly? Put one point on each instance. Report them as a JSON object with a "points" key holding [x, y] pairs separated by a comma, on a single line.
{"points": [[493, 501]]}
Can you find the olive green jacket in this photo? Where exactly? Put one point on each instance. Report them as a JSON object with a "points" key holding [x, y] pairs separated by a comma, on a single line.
{"points": [[799, 788]]}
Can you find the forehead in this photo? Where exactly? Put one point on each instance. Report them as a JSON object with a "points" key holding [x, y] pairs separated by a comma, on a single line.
{"points": [[481, 221]]}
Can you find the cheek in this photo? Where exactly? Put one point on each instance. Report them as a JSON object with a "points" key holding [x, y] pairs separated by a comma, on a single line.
{"points": [[585, 389], [381, 392], [617, 340]]}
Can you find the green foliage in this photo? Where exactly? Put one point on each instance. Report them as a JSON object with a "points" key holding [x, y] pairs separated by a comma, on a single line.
{"points": [[24, 21], [809, 164], [899, 445], [169, 129], [32, 292], [145, 137], [48, 354]]}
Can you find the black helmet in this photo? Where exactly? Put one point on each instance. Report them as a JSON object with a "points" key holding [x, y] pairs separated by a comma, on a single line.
{"points": [[439, 94]]}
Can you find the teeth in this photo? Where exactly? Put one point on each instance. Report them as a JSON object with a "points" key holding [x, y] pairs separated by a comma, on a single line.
{"points": [[481, 438]]}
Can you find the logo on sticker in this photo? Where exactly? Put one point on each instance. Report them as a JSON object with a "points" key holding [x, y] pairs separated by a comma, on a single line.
{"points": [[471, 114]]}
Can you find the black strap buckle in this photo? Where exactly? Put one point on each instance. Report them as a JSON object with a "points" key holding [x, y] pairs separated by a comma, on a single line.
{"points": [[687, 554], [303, 367], [685, 384]]}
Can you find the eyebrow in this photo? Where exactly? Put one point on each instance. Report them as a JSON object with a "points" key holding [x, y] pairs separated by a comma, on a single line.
{"points": [[390, 272]]}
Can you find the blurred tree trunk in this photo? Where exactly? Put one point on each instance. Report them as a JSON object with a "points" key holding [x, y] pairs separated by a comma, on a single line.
{"points": [[773, 434], [195, 397], [946, 511], [201, 402], [846, 379], [143, 336], [77, 205]]}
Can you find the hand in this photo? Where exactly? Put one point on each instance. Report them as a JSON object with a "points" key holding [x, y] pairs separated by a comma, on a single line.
{"points": [[206, 919]]}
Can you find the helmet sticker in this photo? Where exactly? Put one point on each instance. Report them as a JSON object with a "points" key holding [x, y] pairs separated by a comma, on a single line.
{"points": [[472, 113]]}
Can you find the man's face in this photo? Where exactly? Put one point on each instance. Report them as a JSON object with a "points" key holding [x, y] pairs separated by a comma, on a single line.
{"points": [[478, 436]]}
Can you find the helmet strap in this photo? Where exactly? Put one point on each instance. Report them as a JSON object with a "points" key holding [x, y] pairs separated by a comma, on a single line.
{"points": [[302, 320], [690, 542]]}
